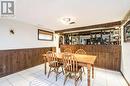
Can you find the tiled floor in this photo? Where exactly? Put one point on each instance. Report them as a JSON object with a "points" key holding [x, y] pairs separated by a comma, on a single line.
{"points": [[35, 77]]}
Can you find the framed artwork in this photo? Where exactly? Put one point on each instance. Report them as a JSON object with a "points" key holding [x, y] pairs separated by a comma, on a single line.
{"points": [[45, 35], [127, 32]]}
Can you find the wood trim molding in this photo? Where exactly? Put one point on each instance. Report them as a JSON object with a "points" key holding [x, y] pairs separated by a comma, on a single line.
{"points": [[104, 25], [125, 78]]}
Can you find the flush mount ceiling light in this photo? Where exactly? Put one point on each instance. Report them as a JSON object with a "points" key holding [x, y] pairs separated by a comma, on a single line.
{"points": [[67, 20]]}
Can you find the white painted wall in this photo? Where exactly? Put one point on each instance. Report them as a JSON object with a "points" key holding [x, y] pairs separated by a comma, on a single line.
{"points": [[125, 61], [25, 36], [57, 43]]}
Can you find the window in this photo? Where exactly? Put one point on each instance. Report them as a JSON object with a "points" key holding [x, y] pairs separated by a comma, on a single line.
{"points": [[45, 35]]}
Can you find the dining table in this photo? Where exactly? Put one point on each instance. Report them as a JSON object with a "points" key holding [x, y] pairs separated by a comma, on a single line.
{"points": [[83, 60]]}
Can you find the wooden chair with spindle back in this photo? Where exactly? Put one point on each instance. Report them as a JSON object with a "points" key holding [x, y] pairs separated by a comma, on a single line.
{"points": [[81, 51], [53, 63], [71, 67]]}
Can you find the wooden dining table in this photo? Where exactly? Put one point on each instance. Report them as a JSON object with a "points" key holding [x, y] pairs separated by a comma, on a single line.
{"points": [[83, 60]]}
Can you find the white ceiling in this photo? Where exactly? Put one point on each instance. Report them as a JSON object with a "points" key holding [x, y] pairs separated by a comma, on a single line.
{"points": [[47, 13]]}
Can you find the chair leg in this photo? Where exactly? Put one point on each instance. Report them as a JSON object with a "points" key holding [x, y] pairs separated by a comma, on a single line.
{"points": [[63, 70], [66, 76], [84, 70], [49, 72], [56, 73], [81, 75], [69, 75], [75, 80]]}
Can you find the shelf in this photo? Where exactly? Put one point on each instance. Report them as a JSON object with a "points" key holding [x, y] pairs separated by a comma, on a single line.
{"points": [[109, 36]]}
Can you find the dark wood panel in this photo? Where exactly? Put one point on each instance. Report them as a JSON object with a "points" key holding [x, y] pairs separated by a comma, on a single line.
{"points": [[108, 56], [12, 61], [104, 25]]}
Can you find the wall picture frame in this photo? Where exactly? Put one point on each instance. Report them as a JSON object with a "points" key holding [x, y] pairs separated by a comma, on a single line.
{"points": [[127, 32], [45, 35]]}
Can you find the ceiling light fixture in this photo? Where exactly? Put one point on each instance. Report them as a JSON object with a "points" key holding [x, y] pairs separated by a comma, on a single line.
{"points": [[67, 21]]}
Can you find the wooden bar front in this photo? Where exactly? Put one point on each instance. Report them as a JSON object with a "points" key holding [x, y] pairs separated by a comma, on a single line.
{"points": [[108, 56]]}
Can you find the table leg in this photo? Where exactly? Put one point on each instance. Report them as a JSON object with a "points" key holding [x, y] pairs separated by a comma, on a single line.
{"points": [[89, 70], [45, 63], [93, 71], [45, 68]]}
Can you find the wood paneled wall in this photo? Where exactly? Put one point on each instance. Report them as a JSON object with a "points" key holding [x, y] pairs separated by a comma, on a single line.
{"points": [[108, 56], [12, 61]]}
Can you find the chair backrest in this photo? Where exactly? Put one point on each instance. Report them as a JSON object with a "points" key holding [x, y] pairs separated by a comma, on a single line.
{"points": [[68, 50], [80, 51], [70, 62], [52, 58]]}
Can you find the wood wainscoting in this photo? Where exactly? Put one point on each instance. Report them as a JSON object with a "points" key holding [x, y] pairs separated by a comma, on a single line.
{"points": [[108, 56], [12, 61]]}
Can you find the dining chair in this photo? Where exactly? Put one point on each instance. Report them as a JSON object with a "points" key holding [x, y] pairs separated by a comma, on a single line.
{"points": [[81, 51], [71, 68], [54, 64], [68, 50]]}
